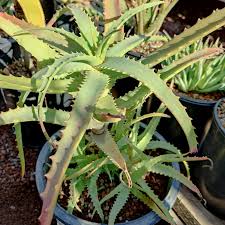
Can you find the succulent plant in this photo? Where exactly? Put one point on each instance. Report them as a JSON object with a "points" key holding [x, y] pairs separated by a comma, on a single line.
{"points": [[132, 140], [206, 75], [150, 21], [87, 67]]}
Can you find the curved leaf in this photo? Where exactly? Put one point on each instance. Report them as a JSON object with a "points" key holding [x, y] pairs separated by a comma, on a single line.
{"points": [[77, 124], [149, 202], [173, 173], [200, 29], [27, 114], [151, 80], [145, 188], [131, 12], [119, 203], [32, 44], [86, 26], [163, 145], [26, 84], [177, 66], [107, 144], [19, 143], [93, 192], [116, 25], [156, 25], [33, 12], [126, 45]]}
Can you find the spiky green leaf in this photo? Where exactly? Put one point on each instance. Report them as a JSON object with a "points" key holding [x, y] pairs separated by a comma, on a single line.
{"points": [[93, 192], [32, 44], [107, 144], [176, 67], [26, 114], [147, 201], [147, 189], [119, 203], [27, 84], [173, 173], [86, 26], [76, 189], [163, 145], [186, 38], [151, 80], [19, 142], [77, 124]]}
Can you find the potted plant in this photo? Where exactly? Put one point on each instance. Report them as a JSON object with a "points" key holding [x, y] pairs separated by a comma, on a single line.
{"points": [[211, 179], [94, 173], [199, 86], [87, 66]]}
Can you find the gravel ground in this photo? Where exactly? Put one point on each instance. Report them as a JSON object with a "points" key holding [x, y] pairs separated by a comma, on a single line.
{"points": [[19, 200], [20, 203]]}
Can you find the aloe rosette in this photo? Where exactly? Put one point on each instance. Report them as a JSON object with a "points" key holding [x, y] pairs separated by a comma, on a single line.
{"points": [[87, 67]]}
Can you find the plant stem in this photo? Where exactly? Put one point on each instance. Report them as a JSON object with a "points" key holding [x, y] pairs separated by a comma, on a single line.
{"points": [[140, 22]]}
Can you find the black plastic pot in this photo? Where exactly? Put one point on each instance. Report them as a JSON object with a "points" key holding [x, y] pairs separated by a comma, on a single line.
{"points": [[199, 110], [67, 219], [211, 182]]}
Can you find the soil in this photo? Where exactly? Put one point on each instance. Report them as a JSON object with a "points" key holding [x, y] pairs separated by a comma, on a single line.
{"points": [[186, 14], [133, 209], [213, 96], [20, 202], [221, 112], [17, 68]]}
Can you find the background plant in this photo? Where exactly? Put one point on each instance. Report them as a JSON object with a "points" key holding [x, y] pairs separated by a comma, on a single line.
{"points": [[87, 67], [151, 20], [206, 75], [7, 6]]}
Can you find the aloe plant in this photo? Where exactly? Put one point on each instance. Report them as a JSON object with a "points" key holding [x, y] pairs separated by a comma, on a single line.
{"points": [[131, 143], [150, 21], [87, 67], [205, 76]]}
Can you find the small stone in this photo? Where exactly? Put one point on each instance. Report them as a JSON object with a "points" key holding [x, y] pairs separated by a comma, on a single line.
{"points": [[12, 207]]}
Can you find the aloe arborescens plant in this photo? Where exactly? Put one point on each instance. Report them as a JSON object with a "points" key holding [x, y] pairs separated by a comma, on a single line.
{"points": [[87, 67]]}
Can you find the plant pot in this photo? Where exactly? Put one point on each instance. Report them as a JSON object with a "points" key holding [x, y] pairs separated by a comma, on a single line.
{"points": [[32, 134], [211, 182], [67, 219], [199, 110]]}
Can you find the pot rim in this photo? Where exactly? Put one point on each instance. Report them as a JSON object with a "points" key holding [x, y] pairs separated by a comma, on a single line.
{"points": [[201, 102], [68, 219], [216, 118]]}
